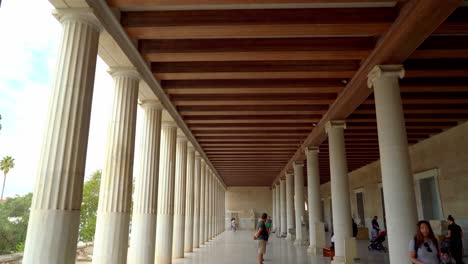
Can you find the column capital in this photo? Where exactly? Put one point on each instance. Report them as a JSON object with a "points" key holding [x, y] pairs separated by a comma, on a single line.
{"points": [[203, 162], [180, 136], [190, 147], [171, 124], [289, 172], [380, 71], [153, 104], [311, 149], [197, 155], [84, 15], [129, 72], [282, 180], [335, 124], [298, 163]]}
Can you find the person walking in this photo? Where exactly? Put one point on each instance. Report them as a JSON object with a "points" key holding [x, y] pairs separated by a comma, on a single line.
{"points": [[262, 237], [233, 224], [424, 247], [455, 235]]}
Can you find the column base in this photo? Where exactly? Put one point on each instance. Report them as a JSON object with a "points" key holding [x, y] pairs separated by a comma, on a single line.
{"points": [[339, 260], [111, 240], [315, 251], [289, 237], [143, 238], [52, 236], [298, 242]]}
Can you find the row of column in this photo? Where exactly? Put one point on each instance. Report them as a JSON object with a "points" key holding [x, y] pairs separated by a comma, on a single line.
{"points": [[396, 180], [178, 200]]}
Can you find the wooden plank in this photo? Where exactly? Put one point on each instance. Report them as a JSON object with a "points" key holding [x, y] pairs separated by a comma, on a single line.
{"points": [[237, 23], [256, 75], [248, 31], [253, 91], [274, 55], [198, 3], [253, 121], [228, 114]]}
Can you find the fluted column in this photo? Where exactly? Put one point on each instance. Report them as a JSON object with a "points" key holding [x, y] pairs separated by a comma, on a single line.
{"points": [[196, 201], [278, 209], [189, 200], [212, 201], [55, 212], [340, 191], [210, 192], [273, 202], [207, 204], [167, 162], [202, 203], [299, 200], [397, 180], [290, 204], [145, 202], [284, 229], [316, 230], [115, 194], [179, 199]]}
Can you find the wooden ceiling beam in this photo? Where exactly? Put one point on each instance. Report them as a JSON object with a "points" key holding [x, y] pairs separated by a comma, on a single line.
{"points": [[180, 3], [395, 46], [254, 121], [238, 23]]}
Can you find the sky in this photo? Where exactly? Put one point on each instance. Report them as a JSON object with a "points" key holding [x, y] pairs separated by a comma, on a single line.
{"points": [[28, 53]]}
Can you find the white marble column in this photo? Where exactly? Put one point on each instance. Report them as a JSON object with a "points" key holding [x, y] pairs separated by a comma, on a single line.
{"points": [[283, 208], [202, 203], [339, 190], [189, 200], [316, 227], [179, 198], [210, 204], [55, 212], [273, 202], [167, 162], [115, 193], [278, 209], [196, 201], [299, 200], [207, 204], [145, 203], [397, 180], [290, 204]]}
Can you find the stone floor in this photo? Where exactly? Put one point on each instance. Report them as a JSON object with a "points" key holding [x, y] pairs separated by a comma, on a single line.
{"points": [[239, 247]]}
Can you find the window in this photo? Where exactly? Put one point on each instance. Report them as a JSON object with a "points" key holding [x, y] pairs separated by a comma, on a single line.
{"points": [[427, 195], [361, 220]]}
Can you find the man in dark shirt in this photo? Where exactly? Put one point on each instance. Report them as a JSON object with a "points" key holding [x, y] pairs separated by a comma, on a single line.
{"points": [[262, 237], [455, 235]]}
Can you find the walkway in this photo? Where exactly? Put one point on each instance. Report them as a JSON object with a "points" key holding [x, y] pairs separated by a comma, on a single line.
{"points": [[239, 247]]}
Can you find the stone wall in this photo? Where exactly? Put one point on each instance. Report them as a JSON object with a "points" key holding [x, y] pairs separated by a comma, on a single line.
{"points": [[247, 204], [447, 153]]}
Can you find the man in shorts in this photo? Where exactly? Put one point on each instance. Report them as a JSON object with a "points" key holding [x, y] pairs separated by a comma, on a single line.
{"points": [[262, 237]]}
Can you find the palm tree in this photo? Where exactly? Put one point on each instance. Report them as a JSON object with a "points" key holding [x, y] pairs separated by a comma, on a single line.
{"points": [[6, 164]]}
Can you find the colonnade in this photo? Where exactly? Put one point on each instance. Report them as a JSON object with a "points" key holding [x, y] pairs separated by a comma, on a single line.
{"points": [[396, 180], [178, 204]]}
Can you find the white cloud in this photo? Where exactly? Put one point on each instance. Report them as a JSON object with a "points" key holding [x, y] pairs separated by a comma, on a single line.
{"points": [[27, 67]]}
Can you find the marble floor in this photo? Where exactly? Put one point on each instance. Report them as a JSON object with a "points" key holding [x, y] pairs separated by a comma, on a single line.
{"points": [[239, 247]]}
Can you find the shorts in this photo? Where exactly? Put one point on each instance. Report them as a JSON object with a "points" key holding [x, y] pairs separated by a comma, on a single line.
{"points": [[262, 246]]}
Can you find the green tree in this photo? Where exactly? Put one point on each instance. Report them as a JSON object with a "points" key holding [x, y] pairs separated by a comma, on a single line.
{"points": [[6, 164], [14, 217], [89, 207]]}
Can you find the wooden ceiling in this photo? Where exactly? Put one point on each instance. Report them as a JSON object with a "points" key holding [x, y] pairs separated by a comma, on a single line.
{"points": [[255, 80]]}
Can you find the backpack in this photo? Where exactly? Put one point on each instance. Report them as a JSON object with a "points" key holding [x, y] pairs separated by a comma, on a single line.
{"points": [[264, 232]]}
